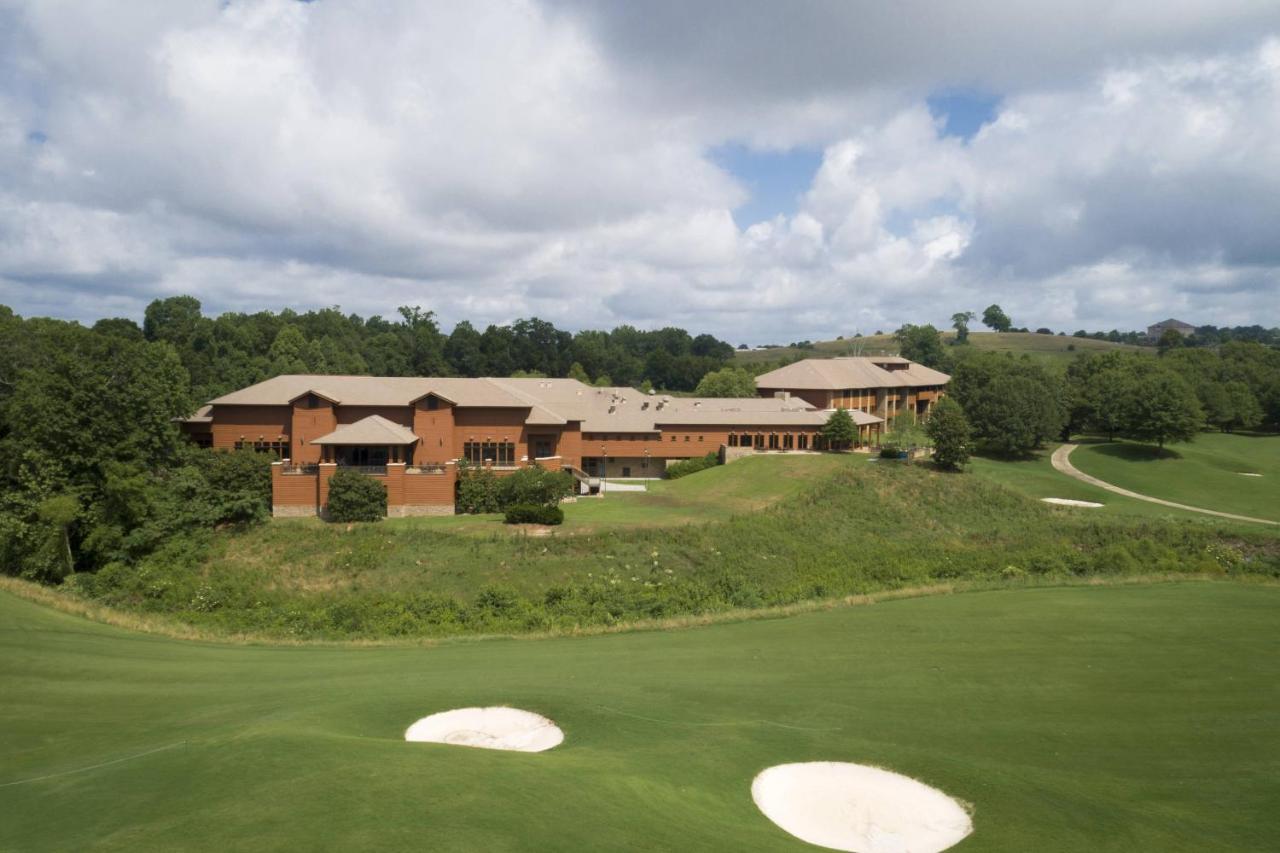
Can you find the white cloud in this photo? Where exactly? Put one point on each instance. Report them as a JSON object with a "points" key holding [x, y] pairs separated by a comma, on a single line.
{"points": [[498, 159]]}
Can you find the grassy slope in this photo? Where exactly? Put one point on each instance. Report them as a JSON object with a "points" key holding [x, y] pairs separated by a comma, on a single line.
{"points": [[719, 493], [863, 527], [1102, 719], [1051, 349], [311, 555], [1036, 478], [1204, 473]]}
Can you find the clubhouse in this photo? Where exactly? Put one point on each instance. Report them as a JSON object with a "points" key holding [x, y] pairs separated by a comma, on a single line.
{"points": [[414, 432]]}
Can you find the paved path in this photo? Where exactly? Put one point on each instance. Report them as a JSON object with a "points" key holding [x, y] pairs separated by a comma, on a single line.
{"points": [[1062, 462]]}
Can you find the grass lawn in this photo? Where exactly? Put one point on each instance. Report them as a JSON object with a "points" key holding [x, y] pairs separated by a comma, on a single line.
{"points": [[1204, 473], [1050, 349], [1036, 478], [1131, 718]]}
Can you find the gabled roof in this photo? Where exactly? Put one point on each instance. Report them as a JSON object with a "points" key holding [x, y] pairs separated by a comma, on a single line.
{"points": [[374, 391], [835, 374], [374, 429]]}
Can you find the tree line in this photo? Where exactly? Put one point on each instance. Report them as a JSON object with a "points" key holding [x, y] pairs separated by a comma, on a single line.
{"points": [[1015, 405], [234, 350]]}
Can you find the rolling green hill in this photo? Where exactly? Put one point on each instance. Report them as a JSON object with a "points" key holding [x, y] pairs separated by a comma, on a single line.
{"points": [[1127, 718], [1048, 348]]}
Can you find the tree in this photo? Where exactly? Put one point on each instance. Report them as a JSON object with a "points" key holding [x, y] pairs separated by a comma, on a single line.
{"points": [[727, 382], [995, 318], [949, 430], [960, 322], [922, 344], [356, 497], [463, 351], [1170, 339], [1164, 410], [1230, 405], [576, 372], [840, 431]]}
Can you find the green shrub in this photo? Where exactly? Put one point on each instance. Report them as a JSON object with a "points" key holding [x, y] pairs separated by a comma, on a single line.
{"points": [[534, 514], [477, 491], [534, 485], [692, 466], [356, 497]]}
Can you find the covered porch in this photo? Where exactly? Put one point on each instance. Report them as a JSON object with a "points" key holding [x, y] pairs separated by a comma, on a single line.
{"points": [[368, 445]]}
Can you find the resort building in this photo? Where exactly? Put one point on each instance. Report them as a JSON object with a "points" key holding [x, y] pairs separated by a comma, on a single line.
{"points": [[883, 386], [415, 432], [1155, 330]]}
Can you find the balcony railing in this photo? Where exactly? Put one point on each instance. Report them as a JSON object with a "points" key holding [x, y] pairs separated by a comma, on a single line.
{"points": [[371, 470], [300, 468], [427, 468]]}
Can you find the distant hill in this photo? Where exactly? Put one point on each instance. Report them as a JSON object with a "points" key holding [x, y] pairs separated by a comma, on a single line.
{"points": [[1049, 348]]}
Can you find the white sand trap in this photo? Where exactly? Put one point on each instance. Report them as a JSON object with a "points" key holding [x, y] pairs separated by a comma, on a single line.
{"points": [[1070, 502], [1247, 474], [488, 728], [859, 808]]}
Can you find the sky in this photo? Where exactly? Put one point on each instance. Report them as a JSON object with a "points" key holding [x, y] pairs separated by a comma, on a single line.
{"points": [[764, 171]]}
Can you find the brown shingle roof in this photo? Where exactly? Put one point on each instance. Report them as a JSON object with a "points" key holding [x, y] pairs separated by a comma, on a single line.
{"points": [[374, 429], [835, 374]]}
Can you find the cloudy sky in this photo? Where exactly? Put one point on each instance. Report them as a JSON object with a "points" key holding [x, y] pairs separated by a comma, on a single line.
{"points": [[767, 171]]}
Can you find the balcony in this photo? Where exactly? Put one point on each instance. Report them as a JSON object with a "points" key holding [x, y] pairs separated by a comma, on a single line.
{"points": [[300, 468]]}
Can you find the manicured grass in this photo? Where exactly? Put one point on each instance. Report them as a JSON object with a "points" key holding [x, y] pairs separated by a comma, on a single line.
{"points": [[1049, 349], [1138, 718], [1205, 473], [1036, 478]]}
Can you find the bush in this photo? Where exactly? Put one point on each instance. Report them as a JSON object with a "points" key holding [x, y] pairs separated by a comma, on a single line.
{"points": [[692, 466], [534, 514], [534, 486], [356, 497], [481, 491]]}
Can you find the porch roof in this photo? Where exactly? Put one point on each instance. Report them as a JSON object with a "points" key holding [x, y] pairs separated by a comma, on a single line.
{"points": [[374, 429]]}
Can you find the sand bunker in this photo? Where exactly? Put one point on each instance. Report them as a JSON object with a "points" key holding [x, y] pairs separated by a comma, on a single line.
{"points": [[1070, 502], [1247, 474], [488, 728], [859, 808]]}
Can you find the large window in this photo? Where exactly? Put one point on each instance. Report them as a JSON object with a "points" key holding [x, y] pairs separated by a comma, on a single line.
{"points": [[279, 448], [489, 452]]}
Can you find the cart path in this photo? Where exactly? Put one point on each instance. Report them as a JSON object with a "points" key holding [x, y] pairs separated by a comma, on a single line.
{"points": [[1062, 462]]}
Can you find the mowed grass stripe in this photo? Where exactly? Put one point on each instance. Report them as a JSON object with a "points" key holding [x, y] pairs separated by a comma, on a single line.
{"points": [[1125, 718], [1207, 473]]}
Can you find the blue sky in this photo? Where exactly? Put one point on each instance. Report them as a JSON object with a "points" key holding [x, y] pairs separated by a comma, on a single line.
{"points": [[775, 179]]}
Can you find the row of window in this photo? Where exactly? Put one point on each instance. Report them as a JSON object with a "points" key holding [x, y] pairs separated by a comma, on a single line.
{"points": [[772, 441], [604, 436], [489, 452], [279, 448]]}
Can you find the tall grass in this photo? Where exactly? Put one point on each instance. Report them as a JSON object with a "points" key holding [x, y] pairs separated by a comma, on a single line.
{"points": [[859, 531]]}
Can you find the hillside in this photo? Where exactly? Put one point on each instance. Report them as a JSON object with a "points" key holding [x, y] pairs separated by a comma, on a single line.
{"points": [[854, 529], [1053, 349]]}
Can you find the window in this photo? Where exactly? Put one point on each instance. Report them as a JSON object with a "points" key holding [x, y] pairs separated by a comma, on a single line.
{"points": [[673, 438], [733, 439], [433, 403], [700, 438], [686, 438], [773, 441], [788, 441], [626, 471], [803, 441], [489, 452], [279, 448]]}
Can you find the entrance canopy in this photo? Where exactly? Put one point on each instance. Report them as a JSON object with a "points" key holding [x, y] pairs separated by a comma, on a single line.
{"points": [[374, 429]]}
